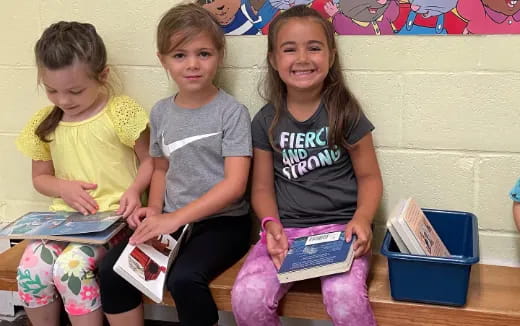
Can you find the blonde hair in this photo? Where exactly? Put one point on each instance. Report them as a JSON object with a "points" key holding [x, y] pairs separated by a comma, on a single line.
{"points": [[343, 108], [190, 20], [61, 45]]}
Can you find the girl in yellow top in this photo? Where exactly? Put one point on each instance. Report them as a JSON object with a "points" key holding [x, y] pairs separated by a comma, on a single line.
{"points": [[90, 152]]}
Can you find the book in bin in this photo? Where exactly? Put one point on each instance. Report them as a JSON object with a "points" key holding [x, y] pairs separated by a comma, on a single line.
{"points": [[413, 232], [317, 255], [96, 228], [146, 265]]}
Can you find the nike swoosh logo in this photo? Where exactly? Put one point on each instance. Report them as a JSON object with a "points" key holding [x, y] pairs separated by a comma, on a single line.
{"points": [[168, 149]]}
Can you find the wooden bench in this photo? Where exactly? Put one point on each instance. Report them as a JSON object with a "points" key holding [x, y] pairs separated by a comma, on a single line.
{"points": [[493, 297]]}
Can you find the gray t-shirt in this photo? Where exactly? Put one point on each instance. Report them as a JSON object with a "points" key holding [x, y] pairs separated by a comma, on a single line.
{"points": [[314, 184], [196, 141]]}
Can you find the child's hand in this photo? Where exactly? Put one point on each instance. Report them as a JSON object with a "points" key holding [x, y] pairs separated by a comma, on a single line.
{"points": [[75, 194], [139, 214], [277, 243], [363, 230], [153, 226], [130, 201]]}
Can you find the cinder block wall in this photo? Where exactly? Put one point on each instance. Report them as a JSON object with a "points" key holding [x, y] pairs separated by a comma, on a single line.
{"points": [[445, 108]]}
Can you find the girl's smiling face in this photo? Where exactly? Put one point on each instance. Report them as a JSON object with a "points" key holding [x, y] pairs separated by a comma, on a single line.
{"points": [[301, 55]]}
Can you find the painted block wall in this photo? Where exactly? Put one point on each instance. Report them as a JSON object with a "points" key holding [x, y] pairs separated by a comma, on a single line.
{"points": [[445, 108]]}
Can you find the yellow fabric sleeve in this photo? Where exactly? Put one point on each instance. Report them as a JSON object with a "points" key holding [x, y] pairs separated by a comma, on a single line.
{"points": [[129, 119], [30, 144]]}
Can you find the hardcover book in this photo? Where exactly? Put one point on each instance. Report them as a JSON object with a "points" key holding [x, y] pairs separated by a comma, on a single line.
{"points": [[97, 228], [317, 255], [392, 229], [146, 265], [414, 232]]}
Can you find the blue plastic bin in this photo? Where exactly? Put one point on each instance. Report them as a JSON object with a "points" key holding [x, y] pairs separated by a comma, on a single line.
{"points": [[436, 280]]}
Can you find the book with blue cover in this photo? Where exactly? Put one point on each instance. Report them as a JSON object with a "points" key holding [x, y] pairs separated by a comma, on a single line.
{"points": [[97, 228], [317, 255]]}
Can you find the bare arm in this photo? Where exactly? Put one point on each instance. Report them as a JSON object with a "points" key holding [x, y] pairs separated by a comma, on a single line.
{"points": [[264, 203], [158, 184], [144, 173], [44, 180], [370, 190], [156, 195], [368, 175], [74, 193], [131, 199], [516, 214], [263, 197]]}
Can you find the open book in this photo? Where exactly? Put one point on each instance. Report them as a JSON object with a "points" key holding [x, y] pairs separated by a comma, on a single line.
{"points": [[145, 266], [413, 232], [317, 255], [97, 228]]}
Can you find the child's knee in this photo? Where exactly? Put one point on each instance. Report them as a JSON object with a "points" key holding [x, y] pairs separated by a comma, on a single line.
{"points": [[182, 284], [71, 269], [346, 302], [34, 274], [250, 297]]}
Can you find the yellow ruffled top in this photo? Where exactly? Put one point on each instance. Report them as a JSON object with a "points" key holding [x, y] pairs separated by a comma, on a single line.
{"points": [[97, 150]]}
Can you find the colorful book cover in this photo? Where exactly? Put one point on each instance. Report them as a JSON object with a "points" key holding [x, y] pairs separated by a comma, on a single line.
{"points": [[64, 226]]}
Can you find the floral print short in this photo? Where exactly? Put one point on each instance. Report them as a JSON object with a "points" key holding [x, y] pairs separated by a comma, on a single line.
{"points": [[49, 267]]}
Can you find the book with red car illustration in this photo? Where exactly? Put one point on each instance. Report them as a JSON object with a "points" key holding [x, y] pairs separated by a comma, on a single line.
{"points": [[145, 266]]}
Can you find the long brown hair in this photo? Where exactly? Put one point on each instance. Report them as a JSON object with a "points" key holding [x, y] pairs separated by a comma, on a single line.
{"points": [[190, 20], [61, 45], [342, 107]]}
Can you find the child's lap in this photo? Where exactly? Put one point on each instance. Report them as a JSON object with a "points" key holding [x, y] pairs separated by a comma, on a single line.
{"points": [[213, 246], [259, 271], [57, 255]]}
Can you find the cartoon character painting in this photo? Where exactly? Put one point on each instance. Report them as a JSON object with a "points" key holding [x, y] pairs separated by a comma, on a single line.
{"points": [[376, 17], [247, 17], [490, 16], [234, 17], [429, 17], [363, 17]]}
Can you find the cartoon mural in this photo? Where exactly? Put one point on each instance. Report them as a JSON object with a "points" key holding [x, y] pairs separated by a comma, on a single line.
{"points": [[363, 17], [429, 17], [490, 16], [376, 17]]}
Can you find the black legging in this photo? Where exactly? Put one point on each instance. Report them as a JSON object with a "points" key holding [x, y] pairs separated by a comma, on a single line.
{"points": [[213, 246]]}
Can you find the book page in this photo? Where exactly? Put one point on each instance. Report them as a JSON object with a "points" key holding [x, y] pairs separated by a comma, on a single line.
{"points": [[145, 266]]}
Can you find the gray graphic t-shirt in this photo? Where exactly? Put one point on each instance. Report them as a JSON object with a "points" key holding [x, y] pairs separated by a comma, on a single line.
{"points": [[196, 142], [313, 183]]}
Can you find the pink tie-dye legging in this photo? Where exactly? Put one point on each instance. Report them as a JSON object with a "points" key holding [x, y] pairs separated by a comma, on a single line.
{"points": [[256, 291]]}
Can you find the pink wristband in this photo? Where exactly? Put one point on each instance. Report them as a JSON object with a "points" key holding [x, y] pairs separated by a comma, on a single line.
{"points": [[266, 219]]}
